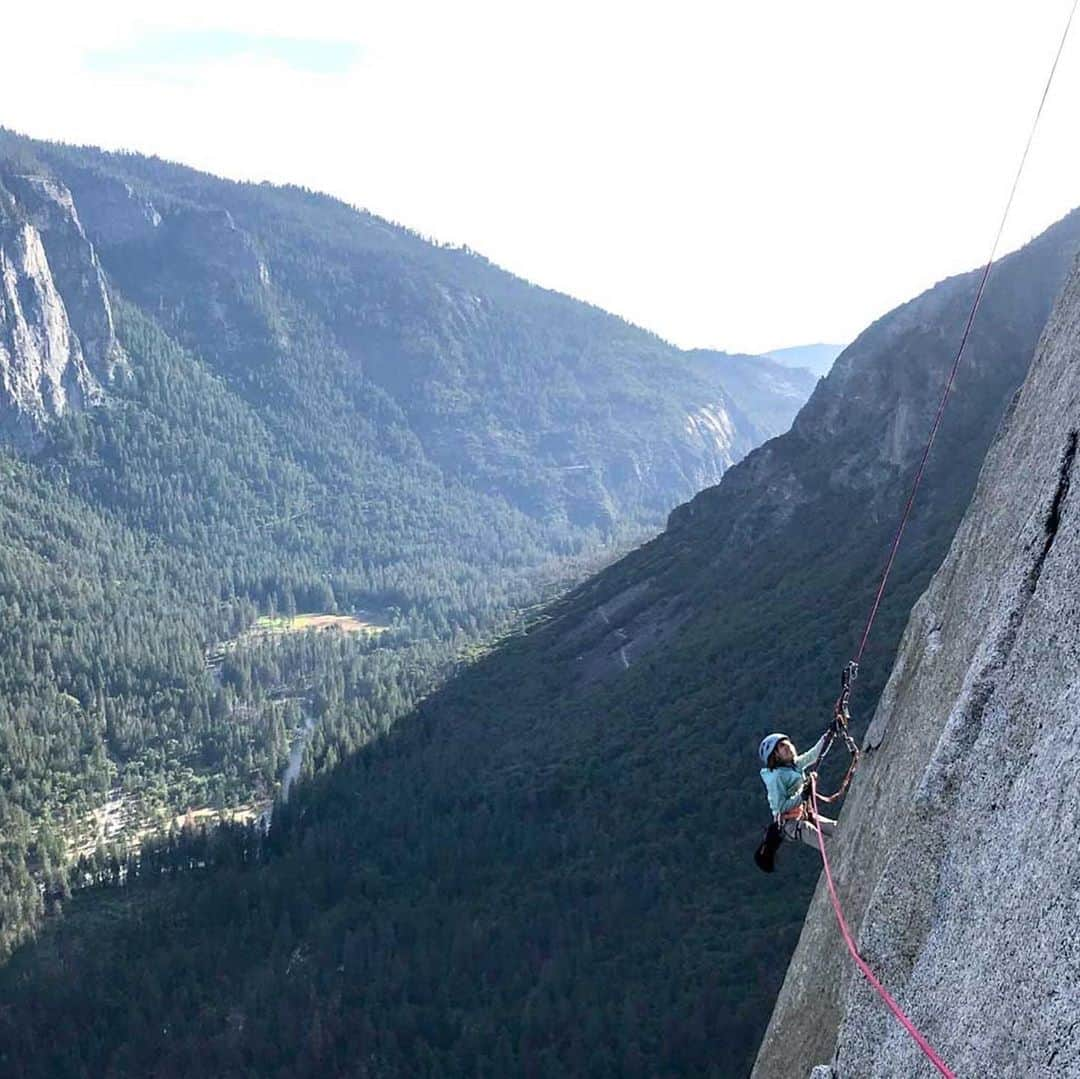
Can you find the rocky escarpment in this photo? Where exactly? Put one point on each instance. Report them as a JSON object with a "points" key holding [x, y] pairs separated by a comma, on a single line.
{"points": [[58, 346], [822, 499], [569, 414], [957, 861], [769, 392]]}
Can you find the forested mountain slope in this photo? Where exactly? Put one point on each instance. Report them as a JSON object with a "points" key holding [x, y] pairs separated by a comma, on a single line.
{"points": [[958, 865], [225, 401], [401, 349], [546, 868]]}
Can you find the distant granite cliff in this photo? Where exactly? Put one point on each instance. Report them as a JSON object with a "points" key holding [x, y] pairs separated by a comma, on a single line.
{"points": [[957, 860], [325, 312], [58, 347]]}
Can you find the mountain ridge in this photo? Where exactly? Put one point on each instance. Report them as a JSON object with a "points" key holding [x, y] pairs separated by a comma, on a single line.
{"points": [[539, 869], [134, 218], [273, 404]]}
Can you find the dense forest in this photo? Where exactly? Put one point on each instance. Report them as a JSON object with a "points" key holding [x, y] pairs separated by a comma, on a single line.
{"points": [[276, 404], [544, 867]]}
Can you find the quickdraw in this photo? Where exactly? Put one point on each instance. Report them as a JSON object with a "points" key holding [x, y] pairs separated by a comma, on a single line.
{"points": [[839, 727]]}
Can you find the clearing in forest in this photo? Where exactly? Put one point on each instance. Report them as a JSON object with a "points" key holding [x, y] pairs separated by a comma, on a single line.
{"points": [[343, 623]]}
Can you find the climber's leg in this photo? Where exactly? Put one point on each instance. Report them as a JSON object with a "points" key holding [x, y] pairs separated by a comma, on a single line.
{"points": [[804, 830]]}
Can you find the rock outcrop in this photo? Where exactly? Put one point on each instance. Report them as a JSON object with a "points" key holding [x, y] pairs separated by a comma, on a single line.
{"points": [[847, 460], [957, 860], [58, 346], [112, 211]]}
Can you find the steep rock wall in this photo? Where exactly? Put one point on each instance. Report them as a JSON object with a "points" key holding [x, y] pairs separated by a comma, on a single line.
{"points": [[49, 207], [957, 861], [58, 345], [42, 368]]}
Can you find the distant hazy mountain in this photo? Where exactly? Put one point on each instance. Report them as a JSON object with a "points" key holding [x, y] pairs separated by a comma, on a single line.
{"points": [[816, 358], [770, 393]]}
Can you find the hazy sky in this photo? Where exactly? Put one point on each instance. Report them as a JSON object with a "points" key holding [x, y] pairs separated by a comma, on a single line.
{"points": [[740, 175]]}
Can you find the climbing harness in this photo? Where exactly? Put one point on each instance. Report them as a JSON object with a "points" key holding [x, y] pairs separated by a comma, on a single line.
{"points": [[806, 813], [853, 666], [775, 833]]}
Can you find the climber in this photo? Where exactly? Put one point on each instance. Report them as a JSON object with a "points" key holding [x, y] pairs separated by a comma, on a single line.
{"points": [[788, 787]]}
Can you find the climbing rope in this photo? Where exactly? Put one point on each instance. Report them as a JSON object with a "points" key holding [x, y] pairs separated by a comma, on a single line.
{"points": [[840, 721], [863, 966], [963, 343]]}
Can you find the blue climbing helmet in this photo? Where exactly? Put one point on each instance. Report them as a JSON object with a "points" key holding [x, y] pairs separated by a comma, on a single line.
{"points": [[768, 744]]}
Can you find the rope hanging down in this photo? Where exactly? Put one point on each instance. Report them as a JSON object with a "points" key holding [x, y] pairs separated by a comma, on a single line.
{"points": [[963, 342], [862, 964], [852, 668]]}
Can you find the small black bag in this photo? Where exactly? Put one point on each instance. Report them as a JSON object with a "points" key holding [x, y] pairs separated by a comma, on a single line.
{"points": [[765, 855]]}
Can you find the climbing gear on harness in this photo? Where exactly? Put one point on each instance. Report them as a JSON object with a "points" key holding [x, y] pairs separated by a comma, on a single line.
{"points": [[840, 709], [803, 813], [840, 791], [768, 744], [839, 728], [765, 855], [841, 716]]}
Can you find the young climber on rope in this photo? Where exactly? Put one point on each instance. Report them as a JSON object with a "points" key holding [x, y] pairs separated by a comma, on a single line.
{"points": [[793, 798], [784, 776]]}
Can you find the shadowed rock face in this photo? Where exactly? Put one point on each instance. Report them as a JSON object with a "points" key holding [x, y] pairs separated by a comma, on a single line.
{"points": [[847, 460], [57, 342], [957, 862]]}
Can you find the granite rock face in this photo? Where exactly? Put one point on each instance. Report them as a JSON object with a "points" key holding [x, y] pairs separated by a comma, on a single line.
{"points": [[58, 346], [113, 212], [75, 268], [957, 860]]}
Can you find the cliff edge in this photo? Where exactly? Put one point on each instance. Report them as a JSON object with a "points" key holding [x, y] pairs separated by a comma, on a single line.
{"points": [[957, 861]]}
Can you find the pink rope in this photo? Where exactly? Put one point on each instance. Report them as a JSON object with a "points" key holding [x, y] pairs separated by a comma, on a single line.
{"points": [[861, 963], [935, 426]]}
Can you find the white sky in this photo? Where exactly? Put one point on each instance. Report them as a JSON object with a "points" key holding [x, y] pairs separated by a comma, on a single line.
{"points": [[739, 175]]}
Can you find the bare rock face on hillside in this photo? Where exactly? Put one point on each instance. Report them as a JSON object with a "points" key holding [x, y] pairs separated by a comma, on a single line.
{"points": [[76, 271], [848, 456], [58, 346], [957, 860], [112, 211]]}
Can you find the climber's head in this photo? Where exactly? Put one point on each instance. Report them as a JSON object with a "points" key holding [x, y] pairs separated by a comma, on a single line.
{"points": [[775, 750], [784, 753]]}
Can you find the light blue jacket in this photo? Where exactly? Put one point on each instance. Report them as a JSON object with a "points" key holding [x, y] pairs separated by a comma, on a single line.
{"points": [[785, 784]]}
